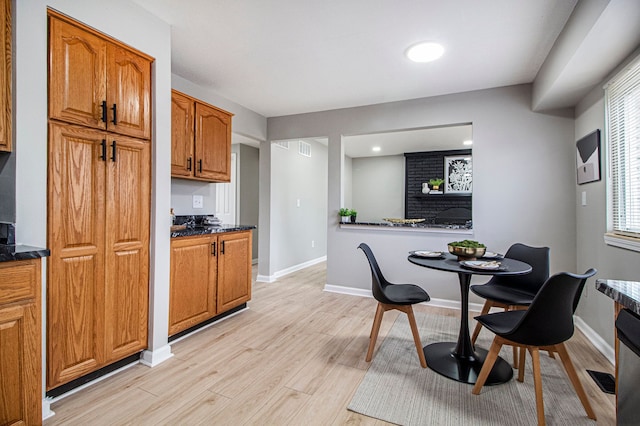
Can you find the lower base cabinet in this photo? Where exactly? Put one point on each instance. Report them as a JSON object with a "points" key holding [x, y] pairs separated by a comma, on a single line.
{"points": [[210, 274], [20, 343]]}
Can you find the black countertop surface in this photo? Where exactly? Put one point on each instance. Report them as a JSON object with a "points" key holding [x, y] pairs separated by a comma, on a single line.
{"points": [[11, 252], [627, 293], [210, 229]]}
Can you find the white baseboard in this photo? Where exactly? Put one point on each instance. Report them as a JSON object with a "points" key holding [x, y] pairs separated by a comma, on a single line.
{"points": [[595, 339], [287, 271], [46, 409], [155, 357]]}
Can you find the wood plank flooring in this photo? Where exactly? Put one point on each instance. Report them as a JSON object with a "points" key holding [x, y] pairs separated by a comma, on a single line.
{"points": [[296, 356]]}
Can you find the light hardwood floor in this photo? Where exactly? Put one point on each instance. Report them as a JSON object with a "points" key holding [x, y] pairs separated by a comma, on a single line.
{"points": [[296, 356]]}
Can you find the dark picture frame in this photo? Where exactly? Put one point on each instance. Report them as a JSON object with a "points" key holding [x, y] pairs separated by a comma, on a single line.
{"points": [[588, 158]]}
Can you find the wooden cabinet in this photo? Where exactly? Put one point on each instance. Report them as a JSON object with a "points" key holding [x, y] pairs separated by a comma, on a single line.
{"points": [[234, 270], [210, 274], [97, 82], [5, 76], [200, 140], [99, 209], [21, 337]]}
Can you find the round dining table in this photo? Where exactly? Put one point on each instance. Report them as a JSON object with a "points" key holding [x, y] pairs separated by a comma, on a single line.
{"points": [[460, 360]]}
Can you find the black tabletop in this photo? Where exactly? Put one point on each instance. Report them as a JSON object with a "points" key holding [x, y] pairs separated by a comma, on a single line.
{"points": [[450, 263]]}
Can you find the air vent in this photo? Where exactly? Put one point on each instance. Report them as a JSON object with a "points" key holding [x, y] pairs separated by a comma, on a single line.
{"points": [[282, 144], [304, 149]]}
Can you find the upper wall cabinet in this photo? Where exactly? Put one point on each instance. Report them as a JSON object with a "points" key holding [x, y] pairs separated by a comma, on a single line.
{"points": [[96, 82], [5, 75], [200, 140]]}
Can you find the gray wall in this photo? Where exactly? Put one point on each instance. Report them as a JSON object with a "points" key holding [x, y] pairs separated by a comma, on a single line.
{"points": [[378, 187], [519, 155], [248, 188], [591, 224], [297, 178]]}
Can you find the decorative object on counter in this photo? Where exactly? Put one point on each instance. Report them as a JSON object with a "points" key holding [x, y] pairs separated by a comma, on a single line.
{"points": [[467, 249], [458, 174], [435, 185], [345, 214], [353, 215], [402, 221], [211, 221], [172, 215], [425, 188]]}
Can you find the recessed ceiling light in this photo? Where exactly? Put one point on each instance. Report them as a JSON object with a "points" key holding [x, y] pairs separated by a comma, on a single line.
{"points": [[425, 52], [467, 143], [375, 149]]}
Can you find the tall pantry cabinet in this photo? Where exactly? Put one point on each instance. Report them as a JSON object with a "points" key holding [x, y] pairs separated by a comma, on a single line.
{"points": [[99, 186]]}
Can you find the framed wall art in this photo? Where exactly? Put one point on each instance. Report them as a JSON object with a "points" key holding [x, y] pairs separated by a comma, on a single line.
{"points": [[458, 174], [588, 158]]}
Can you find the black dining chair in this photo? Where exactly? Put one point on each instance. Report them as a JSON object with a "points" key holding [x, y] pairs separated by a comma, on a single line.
{"points": [[545, 325], [515, 291], [393, 296]]}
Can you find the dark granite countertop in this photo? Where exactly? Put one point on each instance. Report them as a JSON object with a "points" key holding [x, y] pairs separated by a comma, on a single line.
{"points": [[627, 293], [210, 229], [420, 225], [11, 252]]}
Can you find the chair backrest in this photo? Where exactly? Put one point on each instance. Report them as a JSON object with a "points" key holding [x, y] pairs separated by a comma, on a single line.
{"points": [[378, 282], [537, 257], [549, 319]]}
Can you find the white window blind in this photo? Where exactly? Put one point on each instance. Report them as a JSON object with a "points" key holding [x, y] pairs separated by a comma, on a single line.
{"points": [[623, 134]]}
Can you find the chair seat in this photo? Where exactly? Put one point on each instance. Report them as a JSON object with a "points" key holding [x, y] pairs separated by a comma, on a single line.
{"points": [[405, 294], [501, 323], [503, 294]]}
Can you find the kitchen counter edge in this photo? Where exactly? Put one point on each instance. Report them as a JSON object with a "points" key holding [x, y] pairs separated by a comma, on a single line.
{"points": [[206, 230], [626, 293], [13, 252]]}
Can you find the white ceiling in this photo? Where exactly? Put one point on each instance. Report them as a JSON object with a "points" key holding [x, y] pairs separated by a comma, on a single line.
{"points": [[284, 57]]}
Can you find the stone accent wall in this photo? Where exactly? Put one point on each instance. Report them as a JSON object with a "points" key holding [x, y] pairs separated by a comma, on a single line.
{"points": [[420, 167]]}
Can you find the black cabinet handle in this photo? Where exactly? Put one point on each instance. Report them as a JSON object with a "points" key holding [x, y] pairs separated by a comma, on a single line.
{"points": [[103, 150], [115, 115], [213, 249], [222, 247], [103, 105], [113, 151], [189, 161], [200, 166]]}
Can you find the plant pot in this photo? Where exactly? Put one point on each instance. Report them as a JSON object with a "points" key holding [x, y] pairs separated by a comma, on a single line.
{"points": [[353, 219], [345, 219]]}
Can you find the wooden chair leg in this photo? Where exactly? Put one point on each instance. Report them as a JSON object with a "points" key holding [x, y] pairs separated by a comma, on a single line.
{"points": [[416, 336], [521, 364], [515, 357], [375, 329], [492, 355], [476, 331], [537, 381], [575, 380]]}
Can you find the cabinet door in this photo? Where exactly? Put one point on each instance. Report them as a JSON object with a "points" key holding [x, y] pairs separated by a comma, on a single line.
{"points": [[76, 75], [193, 282], [128, 200], [21, 338], [213, 144], [128, 92], [182, 159], [234, 270], [76, 175], [5, 75]]}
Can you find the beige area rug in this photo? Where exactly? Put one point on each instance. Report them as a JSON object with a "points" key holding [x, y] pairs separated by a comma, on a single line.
{"points": [[397, 390]]}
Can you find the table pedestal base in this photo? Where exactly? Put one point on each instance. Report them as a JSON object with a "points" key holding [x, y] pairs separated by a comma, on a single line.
{"points": [[440, 358]]}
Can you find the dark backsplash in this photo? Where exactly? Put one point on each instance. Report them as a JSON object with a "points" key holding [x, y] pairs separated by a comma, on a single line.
{"points": [[419, 168], [7, 233]]}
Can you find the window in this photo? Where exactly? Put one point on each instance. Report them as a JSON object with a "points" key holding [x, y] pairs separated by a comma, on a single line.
{"points": [[622, 97]]}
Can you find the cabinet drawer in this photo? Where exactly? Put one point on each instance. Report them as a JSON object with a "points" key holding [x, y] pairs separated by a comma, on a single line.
{"points": [[18, 281]]}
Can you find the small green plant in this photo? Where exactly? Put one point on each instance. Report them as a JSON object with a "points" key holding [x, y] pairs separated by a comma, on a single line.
{"points": [[467, 243], [436, 182], [344, 212], [353, 213]]}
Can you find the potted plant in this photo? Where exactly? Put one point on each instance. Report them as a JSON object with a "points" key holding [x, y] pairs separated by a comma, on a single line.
{"points": [[353, 215], [345, 215], [435, 183]]}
